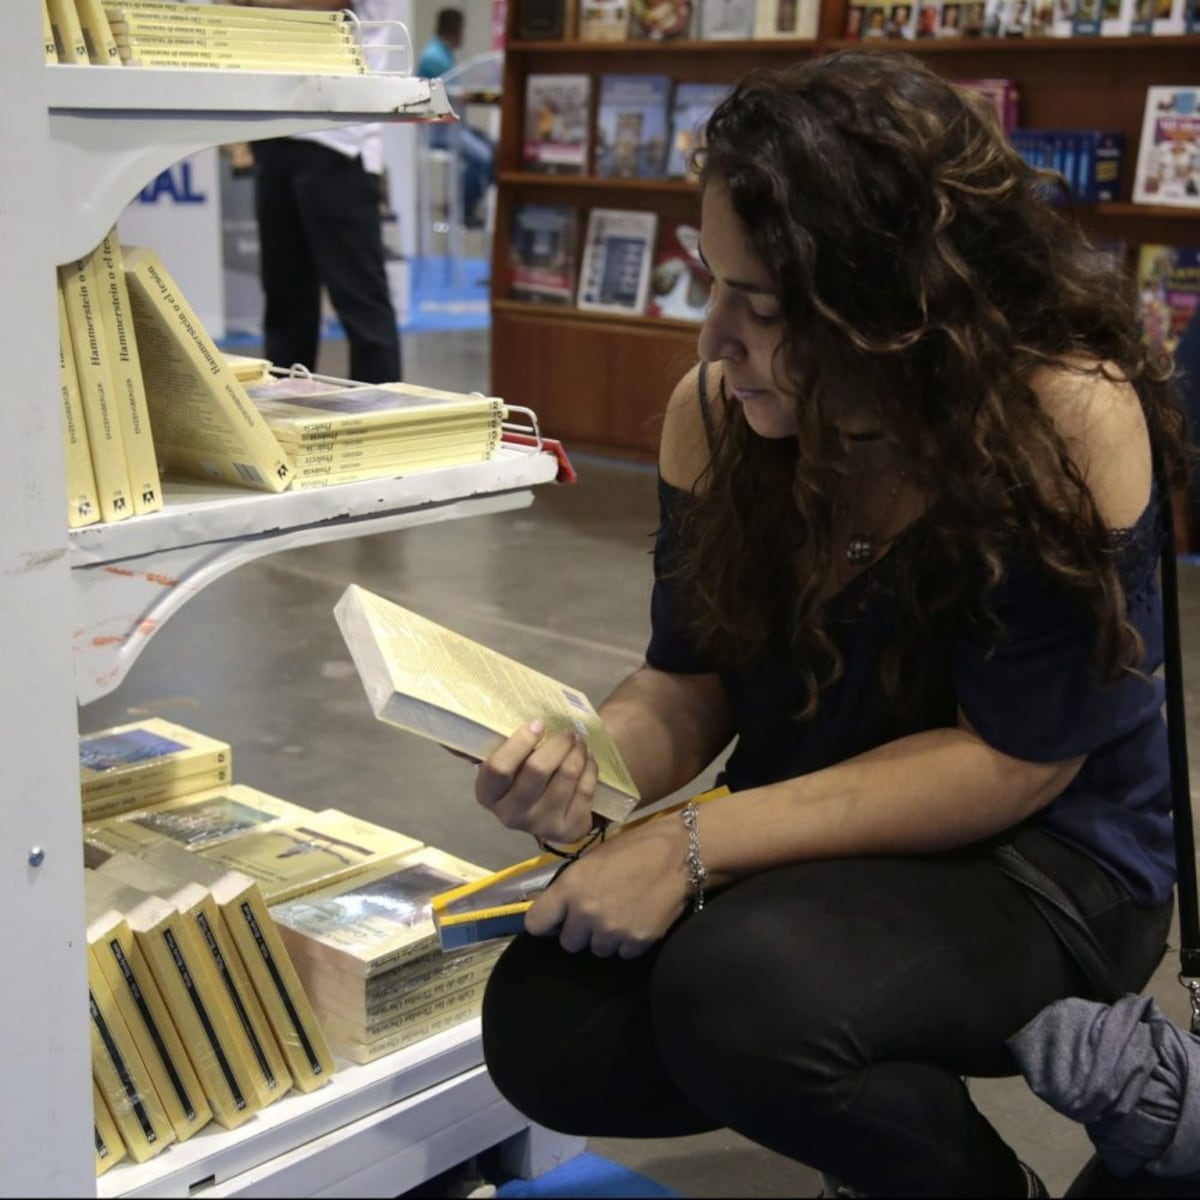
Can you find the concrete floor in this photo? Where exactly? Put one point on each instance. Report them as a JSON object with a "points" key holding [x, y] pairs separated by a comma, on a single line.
{"points": [[257, 659]]}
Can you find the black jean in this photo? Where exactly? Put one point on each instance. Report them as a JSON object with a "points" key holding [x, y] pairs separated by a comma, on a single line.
{"points": [[319, 223], [828, 1011]]}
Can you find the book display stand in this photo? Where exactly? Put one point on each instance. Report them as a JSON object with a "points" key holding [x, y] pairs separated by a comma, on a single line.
{"points": [[76, 143]]}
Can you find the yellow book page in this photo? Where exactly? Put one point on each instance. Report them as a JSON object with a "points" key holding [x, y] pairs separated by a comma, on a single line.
{"points": [[145, 1012], [290, 858], [83, 503], [203, 423], [432, 681], [97, 36], [377, 919], [68, 33], [128, 389], [83, 298], [189, 822], [118, 1069], [110, 1147]]}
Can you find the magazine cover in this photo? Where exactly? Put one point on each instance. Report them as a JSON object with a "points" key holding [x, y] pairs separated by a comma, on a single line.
{"points": [[679, 280], [631, 126], [726, 19], [660, 20], [1168, 162], [556, 124], [615, 274], [690, 110], [543, 253], [1168, 285]]}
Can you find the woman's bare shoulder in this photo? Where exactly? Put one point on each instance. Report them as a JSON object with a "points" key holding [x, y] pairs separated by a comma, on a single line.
{"points": [[684, 450]]}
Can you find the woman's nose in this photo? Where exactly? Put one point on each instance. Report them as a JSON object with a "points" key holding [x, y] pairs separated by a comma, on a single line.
{"points": [[717, 340]]}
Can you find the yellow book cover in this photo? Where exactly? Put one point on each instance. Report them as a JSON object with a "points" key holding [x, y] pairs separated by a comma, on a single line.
{"points": [[51, 49], [97, 36], [425, 678], [383, 1022], [266, 1072], [68, 33], [142, 1005], [290, 858], [192, 821], [199, 1006], [203, 423], [264, 957], [83, 299], [495, 906], [377, 919], [195, 14], [118, 1070], [128, 389], [433, 1018], [83, 504], [113, 802], [300, 406], [145, 753], [110, 1148], [315, 477]]}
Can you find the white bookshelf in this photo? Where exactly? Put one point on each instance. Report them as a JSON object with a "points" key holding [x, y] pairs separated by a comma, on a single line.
{"points": [[76, 143]]}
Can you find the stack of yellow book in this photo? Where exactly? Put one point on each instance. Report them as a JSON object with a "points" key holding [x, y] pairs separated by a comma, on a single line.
{"points": [[335, 433], [147, 762], [367, 952]]}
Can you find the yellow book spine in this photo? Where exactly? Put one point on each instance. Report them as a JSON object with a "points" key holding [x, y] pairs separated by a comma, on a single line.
{"points": [[398, 451], [118, 1069], [203, 422], [83, 504], [110, 1148], [193, 14], [238, 60], [83, 296], [433, 1018], [51, 48], [141, 1003], [128, 389], [279, 987], [281, 38], [114, 803], [203, 1017], [315, 477], [97, 36], [270, 1075], [68, 33]]}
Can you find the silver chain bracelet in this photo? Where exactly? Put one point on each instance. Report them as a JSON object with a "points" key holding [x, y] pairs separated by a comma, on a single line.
{"points": [[696, 873]]}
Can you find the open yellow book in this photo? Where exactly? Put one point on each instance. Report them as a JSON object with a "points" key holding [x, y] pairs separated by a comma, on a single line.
{"points": [[496, 905], [427, 679]]}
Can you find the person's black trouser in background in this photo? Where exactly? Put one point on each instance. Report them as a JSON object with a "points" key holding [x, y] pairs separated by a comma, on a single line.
{"points": [[319, 223], [827, 1011]]}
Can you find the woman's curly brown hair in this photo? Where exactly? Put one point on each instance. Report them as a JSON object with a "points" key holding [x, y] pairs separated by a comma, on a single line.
{"points": [[922, 269]]}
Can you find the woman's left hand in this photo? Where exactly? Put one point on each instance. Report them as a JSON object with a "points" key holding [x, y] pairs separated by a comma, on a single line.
{"points": [[620, 897]]}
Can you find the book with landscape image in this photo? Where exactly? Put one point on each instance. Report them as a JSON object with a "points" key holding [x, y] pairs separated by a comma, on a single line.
{"points": [[432, 681]]}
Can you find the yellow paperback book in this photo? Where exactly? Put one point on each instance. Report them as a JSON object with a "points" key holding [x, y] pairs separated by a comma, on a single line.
{"points": [[434, 682], [325, 476], [248, 369], [68, 33], [128, 389], [83, 503], [118, 1070], [186, 13], [141, 1003], [83, 299], [203, 423], [110, 1148], [267, 1073], [51, 49], [400, 451], [144, 754], [435, 1017], [190, 822], [289, 858], [264, 957], [114, 803], [97, 36], [495, 906], [156, 27]]}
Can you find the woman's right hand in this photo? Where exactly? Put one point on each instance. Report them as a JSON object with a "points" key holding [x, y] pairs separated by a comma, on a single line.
{"points": [[541, 786]]}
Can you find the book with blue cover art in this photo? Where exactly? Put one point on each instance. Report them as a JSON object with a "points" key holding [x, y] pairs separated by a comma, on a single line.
{"points": [[692, 106], [631, 126], [617, 256]]}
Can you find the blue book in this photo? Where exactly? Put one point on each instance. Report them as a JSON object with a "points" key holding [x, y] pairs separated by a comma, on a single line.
{"points": [[631, 126], [692, 106]]}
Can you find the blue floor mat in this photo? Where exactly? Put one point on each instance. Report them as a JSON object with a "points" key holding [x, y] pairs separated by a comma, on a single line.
{"points": [[585, 1175]]}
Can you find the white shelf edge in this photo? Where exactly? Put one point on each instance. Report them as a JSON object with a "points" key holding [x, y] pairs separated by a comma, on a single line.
{"points": [[293, 1121]]}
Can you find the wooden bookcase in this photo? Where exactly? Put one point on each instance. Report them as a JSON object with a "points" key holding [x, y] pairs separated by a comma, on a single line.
{"points": [[601, 382]]}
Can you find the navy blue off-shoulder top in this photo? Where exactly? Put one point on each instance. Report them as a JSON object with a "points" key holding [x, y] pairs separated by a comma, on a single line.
{"points": [[1033, 692]]}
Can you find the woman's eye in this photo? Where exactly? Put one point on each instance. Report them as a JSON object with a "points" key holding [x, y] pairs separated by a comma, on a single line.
{"points": [[764, 318]]}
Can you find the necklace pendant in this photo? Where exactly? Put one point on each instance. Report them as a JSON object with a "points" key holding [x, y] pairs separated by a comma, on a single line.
{"points": [[860, 550]]}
